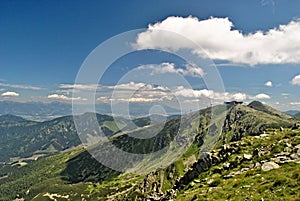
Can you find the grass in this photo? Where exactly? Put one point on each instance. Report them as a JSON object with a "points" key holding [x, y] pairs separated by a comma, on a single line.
{"points": [[278, 184]]}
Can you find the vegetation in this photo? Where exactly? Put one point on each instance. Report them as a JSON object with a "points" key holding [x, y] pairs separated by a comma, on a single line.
{"points": [[21, 139], [233, 169]]}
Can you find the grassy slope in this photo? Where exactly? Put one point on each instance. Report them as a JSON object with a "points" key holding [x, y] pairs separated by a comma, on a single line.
{"points": [[53, 178], [253, 184]]}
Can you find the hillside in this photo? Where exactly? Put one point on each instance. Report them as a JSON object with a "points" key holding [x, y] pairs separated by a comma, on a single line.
{"points": [[21, 139], [239, 163], [297, 116]]}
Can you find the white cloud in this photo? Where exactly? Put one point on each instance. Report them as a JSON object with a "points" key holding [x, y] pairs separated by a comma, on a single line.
{"points": [[191, 69], [295, 103], [79, 86], [220, 41], [205, 93], [131, 99], [10, 94], [239, 96], [17, 86], [296, 80], [269, 84], [262, 96], [134, 92], [63, 97], [142, 92], [137, 86]]}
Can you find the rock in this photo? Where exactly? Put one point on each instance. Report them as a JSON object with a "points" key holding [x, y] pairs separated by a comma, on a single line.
{"points": [[197, 181], [288, 149], [251, 166], [267, 166], [230, 175], [295, 156], [210, 182], [226, 166], [244, 169], [264, 135], [257, 165], [247, 156]]}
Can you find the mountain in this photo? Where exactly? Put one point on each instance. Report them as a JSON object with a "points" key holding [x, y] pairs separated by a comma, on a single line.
{"points": [[297, 116], [21, 139], [11, 119], [255, 155], [292, 112], [40, 111], [35, 110], [267, 109]]}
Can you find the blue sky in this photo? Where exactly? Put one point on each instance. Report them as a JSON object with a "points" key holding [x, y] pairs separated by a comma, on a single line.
{"points": [[44, 43]]}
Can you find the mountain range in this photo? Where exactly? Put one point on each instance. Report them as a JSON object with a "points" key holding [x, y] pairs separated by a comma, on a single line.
{"points": [[245, 152], [41, 111]]}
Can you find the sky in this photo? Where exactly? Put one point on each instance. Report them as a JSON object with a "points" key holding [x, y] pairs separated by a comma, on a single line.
{"points": [[254, 46]]}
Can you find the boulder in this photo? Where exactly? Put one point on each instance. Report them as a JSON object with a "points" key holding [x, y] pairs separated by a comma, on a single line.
{"points": [[247, 156], [267, 166]]}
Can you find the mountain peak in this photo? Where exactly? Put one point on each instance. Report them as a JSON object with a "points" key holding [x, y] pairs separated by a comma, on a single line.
{"points": [[257, 105]]}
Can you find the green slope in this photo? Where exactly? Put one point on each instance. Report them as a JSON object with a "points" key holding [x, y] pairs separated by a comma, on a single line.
{"points": [[227, 170], [20, 138]]}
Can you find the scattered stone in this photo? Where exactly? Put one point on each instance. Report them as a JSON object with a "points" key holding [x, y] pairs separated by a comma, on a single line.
{"points": [[257, 165], [226, 166], [244, 169], [246, 186], [247, 156], [214, 189], [264, 135], [197, 181], [251, 166], [210, 182], [230, 175], [295, 156], [288, 149], [269, 166]]}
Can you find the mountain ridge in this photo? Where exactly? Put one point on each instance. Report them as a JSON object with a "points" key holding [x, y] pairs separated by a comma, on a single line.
{"points": [[248, 134]]}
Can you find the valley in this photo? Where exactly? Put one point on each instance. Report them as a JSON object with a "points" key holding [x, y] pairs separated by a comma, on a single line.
{"points": [[256, 143]]}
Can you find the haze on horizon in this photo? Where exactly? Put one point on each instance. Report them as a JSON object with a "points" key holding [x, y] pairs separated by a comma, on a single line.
{"points": [[255, 47]]}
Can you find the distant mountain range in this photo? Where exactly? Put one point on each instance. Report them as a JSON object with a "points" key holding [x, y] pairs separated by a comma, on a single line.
{"points": [[255, 142], [46, 111], [292, 112], [21, 138], [35, 110]]}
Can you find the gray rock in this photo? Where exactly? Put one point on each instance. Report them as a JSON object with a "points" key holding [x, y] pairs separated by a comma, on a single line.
{"points": [[226, 166], [288, 149], [247, 156], [267, 166], [257, 165], [295, 156]]}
